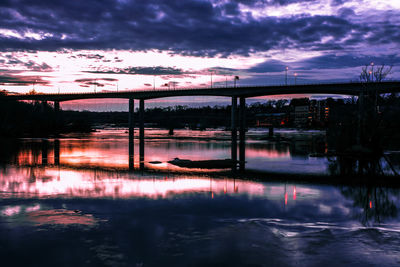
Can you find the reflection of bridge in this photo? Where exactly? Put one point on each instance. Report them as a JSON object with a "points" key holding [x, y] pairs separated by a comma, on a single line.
{"points": [[354, 89]]}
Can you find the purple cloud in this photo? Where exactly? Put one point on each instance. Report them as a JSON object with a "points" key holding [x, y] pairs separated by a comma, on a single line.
{"points": [[190, 27]]}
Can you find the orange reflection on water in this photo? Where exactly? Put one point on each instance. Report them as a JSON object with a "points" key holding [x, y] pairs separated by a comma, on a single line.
{"points": [[94, 156], [272, 154], [60, 217], [95, 184]]}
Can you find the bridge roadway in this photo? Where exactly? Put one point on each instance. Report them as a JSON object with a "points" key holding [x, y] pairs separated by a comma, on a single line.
{"points": [[243, 92], [351, 89]]}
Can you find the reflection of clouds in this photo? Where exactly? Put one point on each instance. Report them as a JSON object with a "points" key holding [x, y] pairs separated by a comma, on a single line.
{"points": [[100, 184], [60, 217], [271, 154], [11, 210], [108, 149], [34, 214], [71, 183]]}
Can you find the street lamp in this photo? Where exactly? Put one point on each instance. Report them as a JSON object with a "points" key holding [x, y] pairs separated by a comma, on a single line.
{"points": [[295, 78], [234, 81], [286, 70], [211, 73], [154, 78]]}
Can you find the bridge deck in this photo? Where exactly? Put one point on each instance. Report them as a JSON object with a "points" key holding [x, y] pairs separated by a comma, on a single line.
{"points": [[243, 91]]}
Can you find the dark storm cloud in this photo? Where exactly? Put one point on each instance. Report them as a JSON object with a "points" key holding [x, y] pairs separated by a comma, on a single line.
{"points": [[190, 27], [159, 70]]}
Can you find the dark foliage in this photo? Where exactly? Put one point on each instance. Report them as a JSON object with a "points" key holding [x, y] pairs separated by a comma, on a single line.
{"points": [[36, 119]]}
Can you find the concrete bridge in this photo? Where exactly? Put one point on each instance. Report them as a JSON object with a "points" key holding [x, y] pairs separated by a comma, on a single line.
{"points": [[351, 89], [243, 92]]}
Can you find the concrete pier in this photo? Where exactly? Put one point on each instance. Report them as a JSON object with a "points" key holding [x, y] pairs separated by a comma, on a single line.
{"points": [[56, 152], [141, 133], [131, 125], [242, 134], [234, 131], [57, 113], [45, 147], [57, 107]]}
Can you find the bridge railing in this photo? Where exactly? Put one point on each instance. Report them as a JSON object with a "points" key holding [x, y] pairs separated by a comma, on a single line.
{"points": [[238, 87]]}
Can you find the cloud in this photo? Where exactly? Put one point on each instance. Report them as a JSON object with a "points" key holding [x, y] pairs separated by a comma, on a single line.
{"points": [[19, 80], [159, 70], [190, 27], [330, 61], [90, 56], [269, 66], [347, 61], [87, 82], [31, 65]]}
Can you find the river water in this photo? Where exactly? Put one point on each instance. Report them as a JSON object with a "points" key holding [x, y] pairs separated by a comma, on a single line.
{"points": [[73, 201]]}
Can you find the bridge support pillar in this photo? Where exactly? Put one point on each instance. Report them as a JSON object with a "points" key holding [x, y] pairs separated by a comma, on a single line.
{"points": [[56, 152], [57, 115], [242, 133], [44, 151], [234, 132], [131, 126], [43, 106], [141, 133], [56, 107], [361, 127]]}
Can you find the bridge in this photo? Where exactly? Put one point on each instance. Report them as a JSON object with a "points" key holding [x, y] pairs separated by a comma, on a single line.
{"points": [[242, 92], [351, 89]]}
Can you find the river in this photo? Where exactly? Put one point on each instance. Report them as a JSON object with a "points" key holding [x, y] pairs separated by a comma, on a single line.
{"points": [[74, 201]]}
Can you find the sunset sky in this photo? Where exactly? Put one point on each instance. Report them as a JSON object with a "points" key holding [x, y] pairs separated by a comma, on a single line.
{"points": [[79, 46]]}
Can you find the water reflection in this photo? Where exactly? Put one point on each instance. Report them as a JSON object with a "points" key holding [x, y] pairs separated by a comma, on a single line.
{"points": [[109, 149], [75, 196], [69, 183], [375, 204]]}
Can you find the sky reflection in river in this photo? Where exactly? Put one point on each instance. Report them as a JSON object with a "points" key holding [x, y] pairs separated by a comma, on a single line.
{"points": [[109, 149], [90, 210]]}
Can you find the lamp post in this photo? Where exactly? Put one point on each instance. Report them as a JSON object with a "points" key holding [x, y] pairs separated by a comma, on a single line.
{"points": [[295, 78], [211, 73], [234, 81], [286, 70], [154, 78]]}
